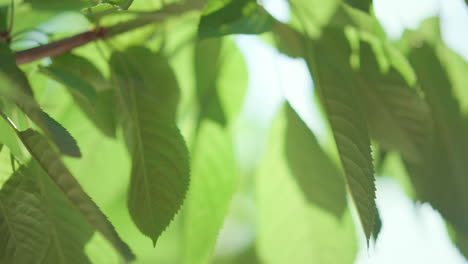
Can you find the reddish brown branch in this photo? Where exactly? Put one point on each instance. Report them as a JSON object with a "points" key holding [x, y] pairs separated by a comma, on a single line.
{"points": [[65, 45], [59, 47]]}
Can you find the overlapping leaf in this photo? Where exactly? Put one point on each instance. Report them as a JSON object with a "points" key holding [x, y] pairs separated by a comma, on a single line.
{"points": [[149, 95], [212, 186], [88, 87], [233, 17], [442, 177], [207, 63], [399, 119], [221, 79], [320, 180], [14, 84], [363, 5], [50, 162], [347, 120], [22, 221], [289, 228], [67, 230]]}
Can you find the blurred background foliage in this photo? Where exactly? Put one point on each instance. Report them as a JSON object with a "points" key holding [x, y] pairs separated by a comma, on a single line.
{"points": [[253, 176]]}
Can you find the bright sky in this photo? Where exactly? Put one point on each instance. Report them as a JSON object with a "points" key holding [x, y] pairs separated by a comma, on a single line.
{"points": [[410, 234]]}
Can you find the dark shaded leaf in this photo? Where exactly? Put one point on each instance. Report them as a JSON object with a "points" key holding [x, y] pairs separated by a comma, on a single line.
{"points": [[320, 180], [377, 227], [149, 94], [442, 177], [234, 17], [398, 117], [3, 19], [342, 104], [363, 5]]}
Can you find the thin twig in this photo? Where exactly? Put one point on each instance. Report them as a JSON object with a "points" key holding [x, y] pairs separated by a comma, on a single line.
{"points": [[65, 45]]}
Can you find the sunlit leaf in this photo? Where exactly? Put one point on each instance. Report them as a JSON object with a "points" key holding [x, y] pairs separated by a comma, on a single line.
{"points": [[289, 228], [50, 162], [212, 186], [320, 180], [149, 95]]}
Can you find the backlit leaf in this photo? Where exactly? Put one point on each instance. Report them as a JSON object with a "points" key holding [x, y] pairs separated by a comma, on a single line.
{"points": [[212, 186], [347, 120], [50, 162], [149, 94], [22, 221], [19, 91], [320, 180], [289, 228]]}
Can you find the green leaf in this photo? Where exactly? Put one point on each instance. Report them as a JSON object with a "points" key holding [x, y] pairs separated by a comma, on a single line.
{"points": [[124, 4], [67, 230], [234, 17], [442, 176], [207, 64], [212, 186], [19, 91], [289, 228], [50, 162], [320, 180], [221, 79], [22, 221], [77, 85], [60, 5], [3, 19], [343, 107], [288, 40], [398, 117], [89, 89], [9, 139], [364, 5], [149, 94], [377, 227]]}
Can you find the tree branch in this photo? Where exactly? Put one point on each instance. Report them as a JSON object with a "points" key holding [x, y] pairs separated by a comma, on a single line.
{"points": [[65, 45]]}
